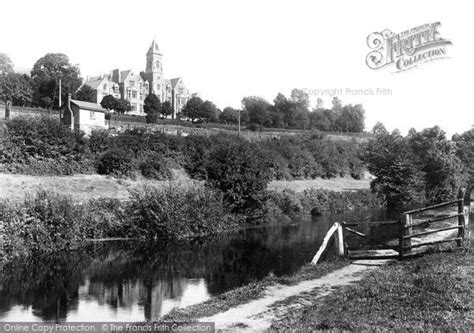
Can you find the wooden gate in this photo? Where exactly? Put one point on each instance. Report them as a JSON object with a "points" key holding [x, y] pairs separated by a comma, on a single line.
{"points": [[418, 230]]}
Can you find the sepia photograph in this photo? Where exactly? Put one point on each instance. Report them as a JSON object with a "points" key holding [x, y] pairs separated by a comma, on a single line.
{"points": [[236, 166]]}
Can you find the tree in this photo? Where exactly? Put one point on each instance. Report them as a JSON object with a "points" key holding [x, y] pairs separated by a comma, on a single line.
{"points": [[167, 109], [436, 157], [6, 65], [351, 119], [208, 111], [122, 106], [86, 94], [379, 129], [398, 180], [465, 152], [258, 110], [46, 73], [109, 102], [319, 104], [336, 104], [17, 89], [152, 107], [301, 98], [229, 116], [323, 120], [192, 108]]}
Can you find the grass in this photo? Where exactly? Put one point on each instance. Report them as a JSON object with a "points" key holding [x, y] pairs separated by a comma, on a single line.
{"points": [[80, 188], [15, 187], [250, 292], [434, 292], [334, 184]]}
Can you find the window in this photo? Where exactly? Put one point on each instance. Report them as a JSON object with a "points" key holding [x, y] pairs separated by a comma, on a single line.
{"points": [[141, 96], [158, 87], [134, 94], [131, 83], [92, 115], [105, 86], [134, 107]]}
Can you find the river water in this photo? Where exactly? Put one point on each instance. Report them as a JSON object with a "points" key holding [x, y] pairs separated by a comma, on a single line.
{"points": [[129, 281]]}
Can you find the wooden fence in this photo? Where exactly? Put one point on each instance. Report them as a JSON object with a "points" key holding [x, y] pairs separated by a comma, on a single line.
{"points": [[416, 229]]}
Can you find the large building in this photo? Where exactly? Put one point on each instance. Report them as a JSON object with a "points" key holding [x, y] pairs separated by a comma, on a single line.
{"points": [[135, 87]]}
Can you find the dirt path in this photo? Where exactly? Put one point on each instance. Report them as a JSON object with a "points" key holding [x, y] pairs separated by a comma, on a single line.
{"points": [[281, 300]]}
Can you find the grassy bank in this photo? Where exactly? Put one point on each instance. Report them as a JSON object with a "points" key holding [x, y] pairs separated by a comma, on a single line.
{"points": [[85, 187], [50, 222], [434, 292], [250, 292]]}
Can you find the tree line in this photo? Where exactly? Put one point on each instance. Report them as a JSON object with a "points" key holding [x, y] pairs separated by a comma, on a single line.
{"points": [[421, 166], [41, 87]]}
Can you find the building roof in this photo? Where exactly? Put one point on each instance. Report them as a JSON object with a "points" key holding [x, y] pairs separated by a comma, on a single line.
{"points": [[88, 106], [174, 82], [94, 83], [124, 74], [154, 48]]}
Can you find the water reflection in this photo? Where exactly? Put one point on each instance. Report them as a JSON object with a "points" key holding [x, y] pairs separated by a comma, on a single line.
{"points": [[126, 281]]}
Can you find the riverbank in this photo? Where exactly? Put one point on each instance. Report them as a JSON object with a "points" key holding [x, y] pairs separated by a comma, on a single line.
{"points": [[434, 292], [427, 293], [85, 187]]}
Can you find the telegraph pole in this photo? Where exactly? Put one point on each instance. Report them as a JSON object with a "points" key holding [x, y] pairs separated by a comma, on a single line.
{"points": [[59, 94], [239, 122]]}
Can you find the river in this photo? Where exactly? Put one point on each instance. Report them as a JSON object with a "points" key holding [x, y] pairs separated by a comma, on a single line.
{"points": [[130, 281]]}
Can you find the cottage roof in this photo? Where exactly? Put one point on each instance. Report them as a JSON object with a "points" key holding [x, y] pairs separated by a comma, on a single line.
{"points": [[88, 106]]}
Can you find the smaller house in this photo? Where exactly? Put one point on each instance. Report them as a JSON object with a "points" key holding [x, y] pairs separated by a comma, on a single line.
{"points": [[83, 115]]}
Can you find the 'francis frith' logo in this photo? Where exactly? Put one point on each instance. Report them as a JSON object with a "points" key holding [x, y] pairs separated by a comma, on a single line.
{"points": [[407, 49]]}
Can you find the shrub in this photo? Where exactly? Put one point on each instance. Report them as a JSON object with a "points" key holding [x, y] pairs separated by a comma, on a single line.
{"points": [[178, 212], [115, 161], [154, 166], [41, 145], [240, 171], [46, 223], [99, 141]]}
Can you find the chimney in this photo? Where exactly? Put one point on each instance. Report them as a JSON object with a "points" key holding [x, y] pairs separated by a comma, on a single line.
{"points": [[116, 75]]}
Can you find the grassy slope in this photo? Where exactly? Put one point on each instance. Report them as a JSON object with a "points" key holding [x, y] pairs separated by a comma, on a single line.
{"points": [[14, 188], [334, 184], [83, 187], [428, 293]]}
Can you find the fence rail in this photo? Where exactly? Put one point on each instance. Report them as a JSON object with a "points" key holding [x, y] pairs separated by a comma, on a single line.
{"points": [[408, 240]]}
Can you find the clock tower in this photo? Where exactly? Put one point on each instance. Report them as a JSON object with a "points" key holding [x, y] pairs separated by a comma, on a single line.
{"points": [[154, 69]]}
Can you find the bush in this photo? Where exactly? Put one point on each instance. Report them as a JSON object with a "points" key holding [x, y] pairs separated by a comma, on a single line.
{"points": [[115, 161], [41, 145], [178, 212], [154, 166], [240, 171], [45, 224], [99, 141]]}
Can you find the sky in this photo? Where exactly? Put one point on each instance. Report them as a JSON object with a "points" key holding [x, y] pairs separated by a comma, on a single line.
{"points": [[226, 50]]}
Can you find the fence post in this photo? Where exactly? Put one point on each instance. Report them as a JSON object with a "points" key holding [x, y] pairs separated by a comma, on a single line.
{"points": [[461, 219], [7, 109], [405, 220], [340, 240]]}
